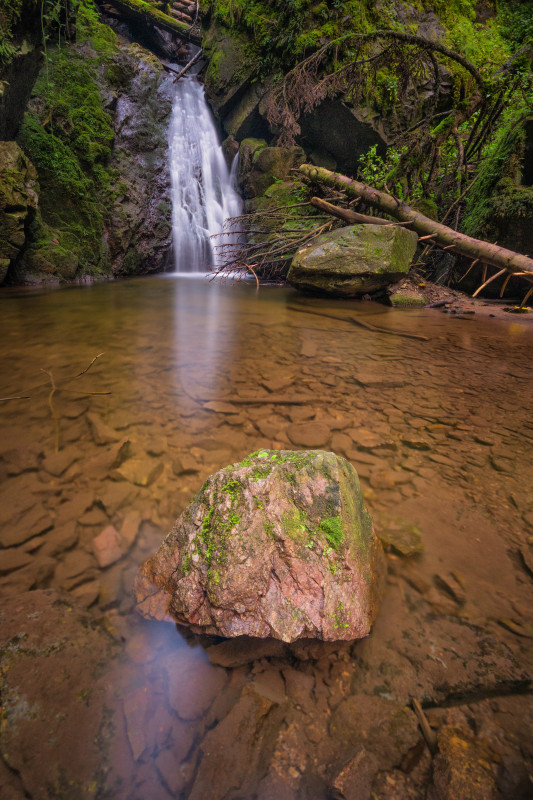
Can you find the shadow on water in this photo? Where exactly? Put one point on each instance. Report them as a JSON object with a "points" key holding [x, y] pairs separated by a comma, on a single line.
{"points": [[441, 437]]}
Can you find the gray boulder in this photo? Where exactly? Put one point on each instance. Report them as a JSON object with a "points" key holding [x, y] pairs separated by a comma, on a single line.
{"points": [[279, 545], [354, 260]]}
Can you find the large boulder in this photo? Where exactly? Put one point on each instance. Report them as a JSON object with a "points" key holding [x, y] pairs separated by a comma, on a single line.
{"points": [[354, 260], [18, 202], [279, 545], [260, 166]]}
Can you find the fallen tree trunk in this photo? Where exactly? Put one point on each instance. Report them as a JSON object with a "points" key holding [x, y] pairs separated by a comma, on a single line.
{"points": [[346, 214], [139, 11], [442, 235]]}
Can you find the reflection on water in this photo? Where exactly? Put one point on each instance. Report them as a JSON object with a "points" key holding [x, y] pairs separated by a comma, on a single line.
{"points": [[194, 375]]}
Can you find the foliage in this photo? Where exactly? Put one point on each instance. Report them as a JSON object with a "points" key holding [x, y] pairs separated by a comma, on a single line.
{"points": [[501, 161], [68, 135], [515, 18]]}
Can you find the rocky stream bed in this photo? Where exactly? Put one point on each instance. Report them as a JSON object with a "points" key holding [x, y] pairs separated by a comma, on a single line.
{"points": [[98, 702]]}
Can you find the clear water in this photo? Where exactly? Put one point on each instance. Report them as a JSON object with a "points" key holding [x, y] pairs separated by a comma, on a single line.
{"points": [[203, 191], [440, 433]]}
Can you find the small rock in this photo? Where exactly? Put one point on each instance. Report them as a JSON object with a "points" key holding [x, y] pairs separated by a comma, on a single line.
{"points": [[86, 593], [60, 538], [354, 781], [101, 433], [308, 434], [130, 529], [184, 465], [309, 349], [452, 587], [58, 463], [193, 687], [10, 560], [106, 547], [157, 446], [140, 471], [415, 443], [463, 768], [136, 708], [95, 516], [35, 522], [401, 538]]}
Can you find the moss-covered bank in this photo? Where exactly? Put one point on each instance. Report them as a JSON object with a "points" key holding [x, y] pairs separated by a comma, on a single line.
{"points": [[95, 130]]}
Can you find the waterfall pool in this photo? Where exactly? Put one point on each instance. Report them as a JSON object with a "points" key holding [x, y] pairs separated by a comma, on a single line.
{"points": [[193, 375]]}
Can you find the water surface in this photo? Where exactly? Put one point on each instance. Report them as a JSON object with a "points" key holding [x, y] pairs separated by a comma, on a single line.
{"points": [[440, 433]]}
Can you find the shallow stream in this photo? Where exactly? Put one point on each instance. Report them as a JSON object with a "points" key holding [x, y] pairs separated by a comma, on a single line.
{"points": [[193, 375]]}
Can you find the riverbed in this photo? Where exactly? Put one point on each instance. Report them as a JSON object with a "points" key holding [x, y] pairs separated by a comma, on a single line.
{"points": [[127, 396]]}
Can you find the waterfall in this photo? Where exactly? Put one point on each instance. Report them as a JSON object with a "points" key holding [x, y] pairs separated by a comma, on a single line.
{"points": [[203, 191]]}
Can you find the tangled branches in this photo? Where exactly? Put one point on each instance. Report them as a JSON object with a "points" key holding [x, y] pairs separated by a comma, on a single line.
{"points": [[264, 242], [438, 133]]}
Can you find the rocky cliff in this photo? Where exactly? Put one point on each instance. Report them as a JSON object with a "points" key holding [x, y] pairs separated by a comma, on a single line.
{"points": [[94, 129]]}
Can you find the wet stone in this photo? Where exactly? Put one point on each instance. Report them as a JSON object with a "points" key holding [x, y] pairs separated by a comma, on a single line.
{"points": [[100, 431], [308, 434], [33, 523], [58, 463], [192, 686], [464, 768], [11, 559], [107, 546], [279, 545], [62, 650], [139, 471], [401, 538]]}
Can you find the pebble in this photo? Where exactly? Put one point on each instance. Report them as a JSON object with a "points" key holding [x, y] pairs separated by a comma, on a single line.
{"points": [[308, 434], [101, 433], [107, 547]]}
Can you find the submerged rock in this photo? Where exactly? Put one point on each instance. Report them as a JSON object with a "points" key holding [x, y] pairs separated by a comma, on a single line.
{"points": [[354, 260], [278, 545]]}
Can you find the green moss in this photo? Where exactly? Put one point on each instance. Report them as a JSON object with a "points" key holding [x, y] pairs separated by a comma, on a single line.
{"points": [[333, 530], [68, 136], [496, 181], [339, 616]]}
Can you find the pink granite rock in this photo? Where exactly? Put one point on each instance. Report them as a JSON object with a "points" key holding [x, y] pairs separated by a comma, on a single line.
{"points": [[279, 545]]}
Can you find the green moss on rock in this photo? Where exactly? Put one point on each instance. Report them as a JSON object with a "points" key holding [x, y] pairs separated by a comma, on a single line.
{"points": [[354, 259]]}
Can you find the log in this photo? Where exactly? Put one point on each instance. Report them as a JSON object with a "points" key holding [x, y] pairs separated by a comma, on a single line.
{"points": [[179, 15], [442, 235], [187, 66], [346, 214], [147, 14]]}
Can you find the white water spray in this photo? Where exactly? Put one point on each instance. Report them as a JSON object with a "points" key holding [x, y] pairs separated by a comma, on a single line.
{"points": [[203, 192]]}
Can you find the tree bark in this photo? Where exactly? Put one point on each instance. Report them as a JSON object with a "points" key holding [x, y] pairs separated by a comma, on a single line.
{"points": [[442, 235], [139, 11], [346, 214]]}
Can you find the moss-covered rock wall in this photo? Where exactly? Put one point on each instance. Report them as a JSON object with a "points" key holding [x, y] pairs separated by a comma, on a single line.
{"points": [[95, 129]]}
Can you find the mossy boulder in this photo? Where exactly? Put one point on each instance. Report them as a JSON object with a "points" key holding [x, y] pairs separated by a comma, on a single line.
{"points": [[354, 260], [229, 72], [261, 166], [279, 545], [18, 202]]}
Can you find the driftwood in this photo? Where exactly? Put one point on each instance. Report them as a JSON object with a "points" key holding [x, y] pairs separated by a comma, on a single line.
{"points": [[146, 14], [442, 235]]}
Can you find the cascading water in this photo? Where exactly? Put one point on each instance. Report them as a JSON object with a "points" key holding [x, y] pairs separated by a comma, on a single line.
{"points": [[203, 192]]}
